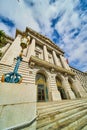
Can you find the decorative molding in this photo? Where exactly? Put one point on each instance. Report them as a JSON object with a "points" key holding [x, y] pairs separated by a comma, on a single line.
{"points": [[32, 64], [43, 38], [52, 70], [50, 66]]}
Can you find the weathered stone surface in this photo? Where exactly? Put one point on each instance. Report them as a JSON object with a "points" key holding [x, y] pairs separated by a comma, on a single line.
{"points": [[18, 104]]}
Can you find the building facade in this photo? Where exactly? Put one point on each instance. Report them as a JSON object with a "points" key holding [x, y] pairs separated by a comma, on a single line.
{"points": [[81, 76], [44, 67]]}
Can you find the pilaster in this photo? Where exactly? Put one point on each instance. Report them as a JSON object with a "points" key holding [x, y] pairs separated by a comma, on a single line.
{"points": [[67, 88], [64, 63], [31, 49], [54, 91], [45, 53], [79, 89], [55, 58], [13, 51]]}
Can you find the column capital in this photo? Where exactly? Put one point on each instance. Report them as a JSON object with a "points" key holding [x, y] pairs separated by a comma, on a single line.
{"points": [[61, 76]]}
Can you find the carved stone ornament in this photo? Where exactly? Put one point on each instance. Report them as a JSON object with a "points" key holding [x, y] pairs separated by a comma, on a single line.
{"points": [[32, 64], [52, 70]]}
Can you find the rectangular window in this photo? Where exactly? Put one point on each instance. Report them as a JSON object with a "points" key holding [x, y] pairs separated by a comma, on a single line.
{"points": [[37, 55]]}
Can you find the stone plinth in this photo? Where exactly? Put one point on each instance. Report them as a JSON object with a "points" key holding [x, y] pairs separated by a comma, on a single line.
{"points": [[17, 104]]}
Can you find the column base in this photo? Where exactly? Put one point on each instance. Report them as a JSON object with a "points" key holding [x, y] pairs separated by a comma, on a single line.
{"points": [[70, 95], [56, 96]]}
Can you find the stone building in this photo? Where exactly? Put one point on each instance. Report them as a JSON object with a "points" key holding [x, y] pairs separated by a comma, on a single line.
{"points": [[81, 76], [44, 65], [44, 68]]}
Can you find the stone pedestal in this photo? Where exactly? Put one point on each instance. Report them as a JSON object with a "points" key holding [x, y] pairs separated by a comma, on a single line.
{"points": [[17, 105], [56, 95]]}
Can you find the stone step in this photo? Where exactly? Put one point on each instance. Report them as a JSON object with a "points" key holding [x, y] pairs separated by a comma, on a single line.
{"points": [[78, 124], [71, 118], [85, 127], [68, 122], [59, 108], [59, 114], [44, 106], [48, 104], [75, 125], [64, 122], [62, 115]]}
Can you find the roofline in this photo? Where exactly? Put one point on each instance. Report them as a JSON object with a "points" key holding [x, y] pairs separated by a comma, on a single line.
{"points": [[44, 38], [18, 32], [10, 38], [77, 69]]}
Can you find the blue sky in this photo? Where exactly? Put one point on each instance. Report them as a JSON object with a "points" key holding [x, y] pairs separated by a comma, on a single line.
{"points": [[63, 21]]}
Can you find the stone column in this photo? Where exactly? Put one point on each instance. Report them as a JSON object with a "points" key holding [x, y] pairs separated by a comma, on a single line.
{"points": [[56, 59], [31, 49], [45, 53], [80, 92], [54, 91], [13, 51], [67, 88], [64, 63]]}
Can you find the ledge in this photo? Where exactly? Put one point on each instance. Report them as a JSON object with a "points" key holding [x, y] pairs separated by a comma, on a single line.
{"points": [[43, 38], [48, 65]]}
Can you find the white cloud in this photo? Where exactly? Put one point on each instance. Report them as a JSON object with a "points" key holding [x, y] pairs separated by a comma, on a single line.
{"points": [[7, 30], [19, 13]]}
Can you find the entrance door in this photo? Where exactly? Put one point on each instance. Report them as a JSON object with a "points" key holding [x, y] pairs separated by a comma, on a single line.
{"points": [[60, 88], [62, 92], [41, 93]]}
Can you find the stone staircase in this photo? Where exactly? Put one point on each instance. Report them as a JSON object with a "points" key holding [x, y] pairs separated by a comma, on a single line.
{"points": [[62, 115]]}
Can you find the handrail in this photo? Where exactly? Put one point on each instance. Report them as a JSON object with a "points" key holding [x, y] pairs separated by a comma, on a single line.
{"points": [[23, 125]]}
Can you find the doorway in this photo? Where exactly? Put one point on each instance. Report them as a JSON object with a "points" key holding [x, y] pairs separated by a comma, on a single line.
{"points": [[60, 88], [42, 91]]}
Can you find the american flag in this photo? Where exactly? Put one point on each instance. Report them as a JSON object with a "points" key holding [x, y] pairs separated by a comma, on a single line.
{"points": [[67, 61]]}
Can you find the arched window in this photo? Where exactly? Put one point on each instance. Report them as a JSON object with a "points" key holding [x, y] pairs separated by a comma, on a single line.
{"points": [[60, 88], [42, 91], [72, 88]]}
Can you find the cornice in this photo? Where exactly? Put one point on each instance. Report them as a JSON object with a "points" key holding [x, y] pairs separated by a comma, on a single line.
{"points": [[19, 32], [8, 37], [39, 36], [75, 69], [43, 38], [48, 65]]}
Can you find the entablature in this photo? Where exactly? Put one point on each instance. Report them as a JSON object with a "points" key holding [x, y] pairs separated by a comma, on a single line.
{"points": [[44, 40], [50, 66]]}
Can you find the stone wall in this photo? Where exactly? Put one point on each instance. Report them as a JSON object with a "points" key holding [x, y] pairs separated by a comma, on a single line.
{"points": [[17, 105], [82, 77]]}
